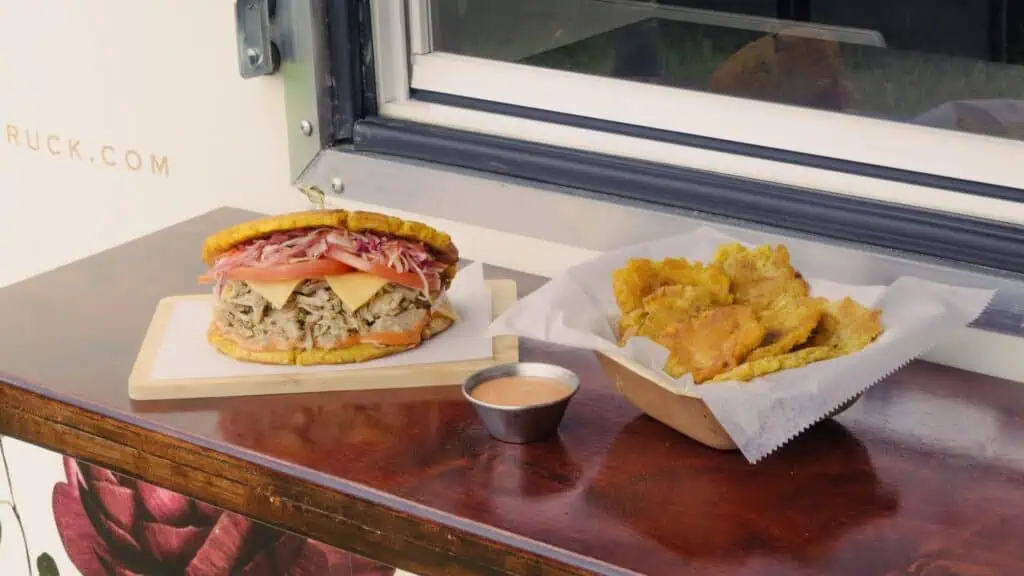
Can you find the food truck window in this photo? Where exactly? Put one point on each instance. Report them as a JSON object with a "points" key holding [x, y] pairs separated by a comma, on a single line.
{"points": [[925, 88], [896, 125], [882, 148]]}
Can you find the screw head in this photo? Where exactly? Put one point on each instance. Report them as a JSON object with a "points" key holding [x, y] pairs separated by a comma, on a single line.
{"points": [[306, 127], [337, 185], [254, 57]]}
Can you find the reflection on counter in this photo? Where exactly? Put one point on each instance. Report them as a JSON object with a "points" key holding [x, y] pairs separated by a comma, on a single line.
{"points": [[748, 525], [938, 416], [519, 471], [351, 434]]}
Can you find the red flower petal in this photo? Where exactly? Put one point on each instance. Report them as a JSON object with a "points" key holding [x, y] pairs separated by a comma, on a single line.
{"points": [[119, 540], [114, 569], [286, 552], [95, 473], [171, 545], [204, 510], [165, 506], [320, 560], [275, 558], [365, 567], [73, 473], [261, 565], [81, 542], [222, 548], [118, 503]]}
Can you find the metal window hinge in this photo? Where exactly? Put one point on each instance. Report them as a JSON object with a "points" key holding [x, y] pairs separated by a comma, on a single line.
{"points": [[257, 53]]}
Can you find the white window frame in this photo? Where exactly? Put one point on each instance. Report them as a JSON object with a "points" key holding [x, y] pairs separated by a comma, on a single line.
{"points": [[403, 61]]}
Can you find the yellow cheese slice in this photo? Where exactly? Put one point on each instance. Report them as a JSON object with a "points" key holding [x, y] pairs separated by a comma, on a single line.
{"points": [[355, 288], [276, 293]]}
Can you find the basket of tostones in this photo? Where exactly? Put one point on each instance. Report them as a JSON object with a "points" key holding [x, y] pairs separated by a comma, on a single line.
{"points": [[731, 344], [746, 314]]}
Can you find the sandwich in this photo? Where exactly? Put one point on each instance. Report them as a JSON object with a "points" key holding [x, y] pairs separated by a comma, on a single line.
{"points": [[327, 287]]}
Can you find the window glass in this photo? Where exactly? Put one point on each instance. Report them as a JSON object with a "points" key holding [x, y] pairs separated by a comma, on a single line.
{"points": [[956, 64]]}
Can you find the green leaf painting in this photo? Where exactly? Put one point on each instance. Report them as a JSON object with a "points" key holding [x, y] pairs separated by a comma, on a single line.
{"points": [[46, 565]]}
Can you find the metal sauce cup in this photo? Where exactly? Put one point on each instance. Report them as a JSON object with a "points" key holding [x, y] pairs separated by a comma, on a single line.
{"points": [[522, 424]]}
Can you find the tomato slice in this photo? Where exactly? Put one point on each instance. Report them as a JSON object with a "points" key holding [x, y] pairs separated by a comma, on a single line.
{"points": [[410, 279], [298, 270]]}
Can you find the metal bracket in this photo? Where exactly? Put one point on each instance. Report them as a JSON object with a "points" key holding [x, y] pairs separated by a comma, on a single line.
{"points": [[257, 53]]}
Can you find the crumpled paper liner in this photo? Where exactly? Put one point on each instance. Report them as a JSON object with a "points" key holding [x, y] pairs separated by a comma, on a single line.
{"points": [[577, 308]]}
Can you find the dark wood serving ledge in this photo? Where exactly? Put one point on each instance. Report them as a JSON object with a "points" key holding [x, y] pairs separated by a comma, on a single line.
{"points": [[925, 475]]}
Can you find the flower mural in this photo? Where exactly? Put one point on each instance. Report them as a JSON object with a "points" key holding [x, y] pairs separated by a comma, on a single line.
{"points": [[114, 525]]}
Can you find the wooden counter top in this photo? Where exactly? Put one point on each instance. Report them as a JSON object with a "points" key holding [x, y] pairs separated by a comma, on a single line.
{"points": [[923, 476]]}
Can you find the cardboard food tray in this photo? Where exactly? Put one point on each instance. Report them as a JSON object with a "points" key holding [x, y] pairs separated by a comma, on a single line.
{"points": [[142, 387], [685, 414]]}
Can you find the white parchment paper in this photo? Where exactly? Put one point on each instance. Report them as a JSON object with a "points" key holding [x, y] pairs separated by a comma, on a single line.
{"points": [[577, 308]]}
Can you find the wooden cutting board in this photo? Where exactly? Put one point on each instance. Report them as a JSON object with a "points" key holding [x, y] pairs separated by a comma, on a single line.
{"points": [[299, 379]]}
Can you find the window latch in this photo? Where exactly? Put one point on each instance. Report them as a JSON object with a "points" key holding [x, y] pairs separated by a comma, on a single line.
{"points": [[257, 53]]}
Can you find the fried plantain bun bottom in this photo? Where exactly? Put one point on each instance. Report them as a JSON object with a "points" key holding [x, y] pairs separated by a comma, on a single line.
{"points": [[348, 355]]}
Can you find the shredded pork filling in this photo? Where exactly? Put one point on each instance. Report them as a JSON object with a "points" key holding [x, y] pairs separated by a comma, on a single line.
{"points": [[314, 316]]}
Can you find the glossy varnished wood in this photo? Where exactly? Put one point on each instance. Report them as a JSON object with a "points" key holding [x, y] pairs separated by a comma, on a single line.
{"points": [[925, 475]]}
